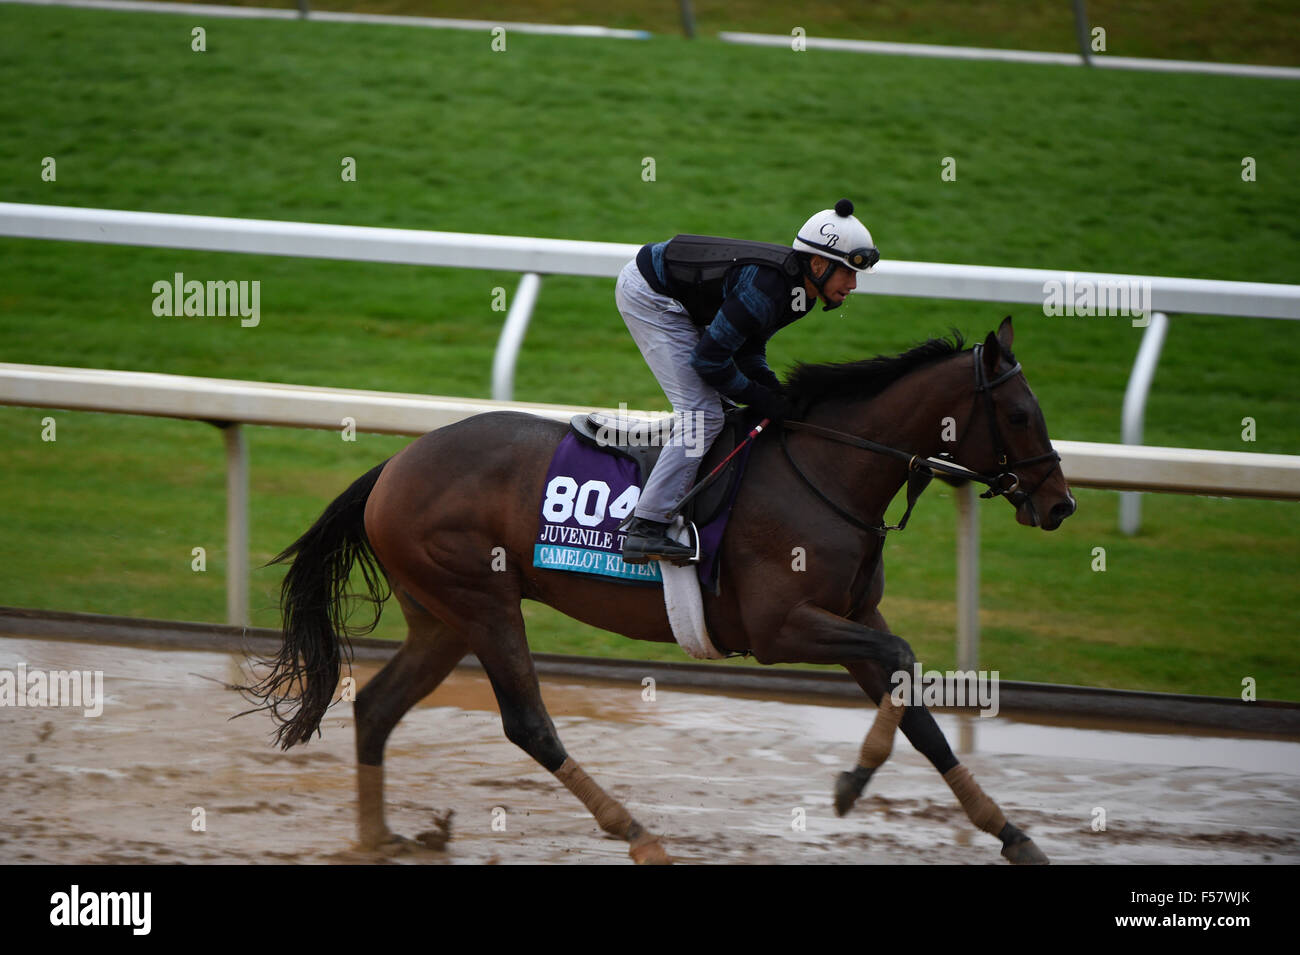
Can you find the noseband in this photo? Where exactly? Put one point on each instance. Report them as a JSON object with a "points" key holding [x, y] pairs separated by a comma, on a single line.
{"points": [[1006, 483]]}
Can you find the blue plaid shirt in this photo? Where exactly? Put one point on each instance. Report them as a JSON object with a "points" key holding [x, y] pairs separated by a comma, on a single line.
{"points": [[732, 352]]}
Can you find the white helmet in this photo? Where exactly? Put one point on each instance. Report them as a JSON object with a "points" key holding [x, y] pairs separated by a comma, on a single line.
{"points": [[837, 234]]}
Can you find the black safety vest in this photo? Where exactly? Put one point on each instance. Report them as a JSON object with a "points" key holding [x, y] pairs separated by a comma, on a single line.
{"points": [[695, 267]]}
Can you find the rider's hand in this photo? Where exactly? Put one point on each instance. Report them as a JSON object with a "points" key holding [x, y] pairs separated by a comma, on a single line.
{"points": [[771, 404], [765, 378]]}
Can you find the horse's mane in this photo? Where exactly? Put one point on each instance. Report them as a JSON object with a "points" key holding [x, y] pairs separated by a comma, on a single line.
{"points": [[808, 384]]}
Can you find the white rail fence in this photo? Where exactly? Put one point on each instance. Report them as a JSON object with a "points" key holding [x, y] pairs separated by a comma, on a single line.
{"points": [[230, 404], [1161, 296]]}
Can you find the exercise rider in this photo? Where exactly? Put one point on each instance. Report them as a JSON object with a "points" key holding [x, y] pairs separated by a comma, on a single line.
{"points": [[702, 309]]}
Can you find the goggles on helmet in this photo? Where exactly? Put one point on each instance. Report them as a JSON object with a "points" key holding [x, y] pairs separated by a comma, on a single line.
{"points": [[858, 259], [862, 259]]}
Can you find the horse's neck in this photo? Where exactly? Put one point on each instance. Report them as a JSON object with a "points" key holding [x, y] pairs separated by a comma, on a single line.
{"points": [[908, 415]]}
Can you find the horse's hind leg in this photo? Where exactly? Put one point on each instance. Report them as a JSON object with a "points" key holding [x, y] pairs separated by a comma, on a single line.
{"points": [[430, 652], [496, 635], [923, 732]]}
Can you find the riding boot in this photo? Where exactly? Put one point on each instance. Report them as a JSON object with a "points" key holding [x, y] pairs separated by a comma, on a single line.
{"points": [[648, 540]]}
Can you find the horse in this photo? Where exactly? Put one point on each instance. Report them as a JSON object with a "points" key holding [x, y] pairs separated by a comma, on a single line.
{"points": [[430, 523]]}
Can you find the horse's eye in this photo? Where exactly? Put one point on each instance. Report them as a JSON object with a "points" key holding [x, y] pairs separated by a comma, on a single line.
{"points": [[1018, 418]]}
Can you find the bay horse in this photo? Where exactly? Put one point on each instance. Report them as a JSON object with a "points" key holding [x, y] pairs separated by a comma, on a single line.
{"points": [[430, 522]]}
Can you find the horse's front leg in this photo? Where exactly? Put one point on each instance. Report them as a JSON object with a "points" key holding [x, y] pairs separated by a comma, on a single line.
{"points": [[813, 635], [874, 751], [868, 650], [921, 730]]}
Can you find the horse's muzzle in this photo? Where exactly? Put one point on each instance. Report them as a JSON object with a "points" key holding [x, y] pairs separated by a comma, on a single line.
{"points": [[1060, 511], [1027, 513]]}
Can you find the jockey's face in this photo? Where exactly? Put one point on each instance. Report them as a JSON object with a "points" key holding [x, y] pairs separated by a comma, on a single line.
{"points": [[842, 281]]}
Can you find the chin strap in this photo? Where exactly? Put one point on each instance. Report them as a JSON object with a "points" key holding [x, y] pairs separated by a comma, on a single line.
{"points": [[820, 285]]}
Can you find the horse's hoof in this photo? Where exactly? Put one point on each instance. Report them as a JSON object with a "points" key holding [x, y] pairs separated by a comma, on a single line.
{"points": [[846, 793], [650, 852], [848, 787], [1024, 852]]}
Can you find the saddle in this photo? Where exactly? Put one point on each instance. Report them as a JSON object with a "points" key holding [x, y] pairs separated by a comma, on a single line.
{"points": [[642, 440]]}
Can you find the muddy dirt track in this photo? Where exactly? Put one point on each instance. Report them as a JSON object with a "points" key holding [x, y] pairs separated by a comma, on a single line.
{"points": [[722, 779]]}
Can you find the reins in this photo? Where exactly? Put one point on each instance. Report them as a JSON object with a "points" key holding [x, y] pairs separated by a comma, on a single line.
{"points": [[918, 477], [921, 469]]}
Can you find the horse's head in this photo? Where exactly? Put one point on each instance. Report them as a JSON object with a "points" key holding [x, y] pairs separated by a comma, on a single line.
{"points": [[1011, 437]]}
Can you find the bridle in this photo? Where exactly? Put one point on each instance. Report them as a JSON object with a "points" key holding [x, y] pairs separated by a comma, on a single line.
{"points": [[1011, 492], [1006, 483]]}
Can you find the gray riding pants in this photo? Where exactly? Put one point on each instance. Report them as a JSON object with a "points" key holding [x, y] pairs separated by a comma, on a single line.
{"points": [[663, 331]]}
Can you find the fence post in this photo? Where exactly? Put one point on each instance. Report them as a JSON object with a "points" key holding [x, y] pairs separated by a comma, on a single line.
{"points": [[512, 336], [968, 579], [1135, 410], [236, 523], [688, 20], [1081, 28], [968, 598]]}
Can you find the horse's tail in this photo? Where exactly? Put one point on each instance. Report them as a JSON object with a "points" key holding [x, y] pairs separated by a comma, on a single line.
{"points": [[314, 602]]}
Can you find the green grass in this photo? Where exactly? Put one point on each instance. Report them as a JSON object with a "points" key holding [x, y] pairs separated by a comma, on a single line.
{"points": [[1057, 168], [1249, 31]]}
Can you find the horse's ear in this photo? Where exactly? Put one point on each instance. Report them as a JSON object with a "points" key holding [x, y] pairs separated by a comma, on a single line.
{"points": [[1005, 334], [992, 353]]}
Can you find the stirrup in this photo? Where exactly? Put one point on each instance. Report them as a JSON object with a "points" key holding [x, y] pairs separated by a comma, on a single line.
{"points": [[653, 548], [694, 545]]}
